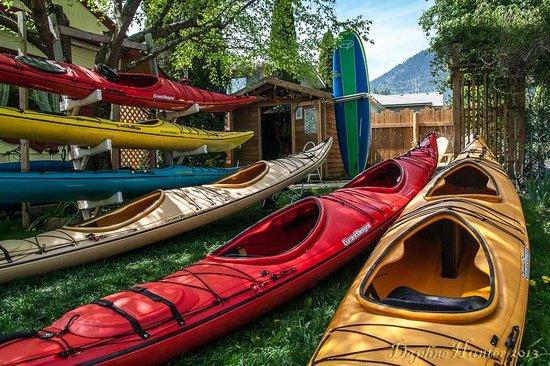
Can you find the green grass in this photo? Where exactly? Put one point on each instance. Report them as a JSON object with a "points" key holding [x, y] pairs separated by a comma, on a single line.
{"points": [[286, 336]]}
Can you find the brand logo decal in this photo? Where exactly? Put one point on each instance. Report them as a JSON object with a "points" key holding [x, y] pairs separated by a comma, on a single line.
{"points": [[163, 96], [356, 234], [346, 44], [525, 260]]}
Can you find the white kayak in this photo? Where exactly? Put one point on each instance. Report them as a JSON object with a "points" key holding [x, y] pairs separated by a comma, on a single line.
{"points": [[155, 217]]}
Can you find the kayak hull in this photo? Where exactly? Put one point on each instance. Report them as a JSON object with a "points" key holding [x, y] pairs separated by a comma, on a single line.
{"points": [[139, 90], [49, 187], [37, 166], [154, 217], [456, 277], [87, 131], [235, 283]]}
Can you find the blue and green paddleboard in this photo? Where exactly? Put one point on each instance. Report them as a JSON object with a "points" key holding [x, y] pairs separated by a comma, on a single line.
{"points": [[350, 88]]}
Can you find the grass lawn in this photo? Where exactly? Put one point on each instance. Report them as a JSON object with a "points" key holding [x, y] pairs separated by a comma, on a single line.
{"points": [[286, 336]]}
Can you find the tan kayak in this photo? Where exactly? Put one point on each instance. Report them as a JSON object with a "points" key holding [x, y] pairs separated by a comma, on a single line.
{"points": [[448, 282], [154, 217]]}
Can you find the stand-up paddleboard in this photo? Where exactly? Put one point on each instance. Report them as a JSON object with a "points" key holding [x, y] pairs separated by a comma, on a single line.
{"points": [[350, 88]]}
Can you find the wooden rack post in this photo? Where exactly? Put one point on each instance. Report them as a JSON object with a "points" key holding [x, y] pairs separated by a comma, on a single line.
{"points": [[23, 105], [153, 66]]}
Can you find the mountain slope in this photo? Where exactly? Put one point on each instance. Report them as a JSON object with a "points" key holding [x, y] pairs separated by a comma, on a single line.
{"points": [[411, 76]]}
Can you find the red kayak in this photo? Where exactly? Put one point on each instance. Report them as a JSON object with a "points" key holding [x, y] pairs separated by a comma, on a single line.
{"points": [[282, 255], [132, 89]]}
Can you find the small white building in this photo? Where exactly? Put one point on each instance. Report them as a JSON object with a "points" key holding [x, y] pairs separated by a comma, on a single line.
{"points": [[414, 101]]}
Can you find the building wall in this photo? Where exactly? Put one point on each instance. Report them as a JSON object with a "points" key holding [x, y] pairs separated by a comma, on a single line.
{"points": [[335, 165], [248, 119]]}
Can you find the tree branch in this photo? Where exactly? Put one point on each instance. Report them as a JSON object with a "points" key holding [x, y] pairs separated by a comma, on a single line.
{"points": [[177, 26], [127, 16], [164, 31]]}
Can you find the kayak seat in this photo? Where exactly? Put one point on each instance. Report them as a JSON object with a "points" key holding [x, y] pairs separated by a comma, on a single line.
{"points": [[387, 174], [408, 298], [277, 234], [466, 179]]}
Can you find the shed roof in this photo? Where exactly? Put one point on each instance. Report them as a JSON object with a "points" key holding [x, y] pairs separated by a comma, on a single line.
{"points": [[266, 83], [414, 99]]}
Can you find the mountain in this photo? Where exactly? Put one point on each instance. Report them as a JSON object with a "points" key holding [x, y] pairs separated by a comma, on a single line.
{"points": [[411, 76]]}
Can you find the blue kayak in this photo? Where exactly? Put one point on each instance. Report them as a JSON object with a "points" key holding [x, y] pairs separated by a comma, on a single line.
{"points": [[38, 166], [50, 187]]}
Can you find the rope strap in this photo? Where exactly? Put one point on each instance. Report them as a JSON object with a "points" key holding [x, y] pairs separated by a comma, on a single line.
{"points": [[133, 321], [157, 298], [6, 254]]}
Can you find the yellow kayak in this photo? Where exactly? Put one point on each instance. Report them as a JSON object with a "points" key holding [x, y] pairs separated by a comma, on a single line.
{"points": [[88, 131], [448, 282]]}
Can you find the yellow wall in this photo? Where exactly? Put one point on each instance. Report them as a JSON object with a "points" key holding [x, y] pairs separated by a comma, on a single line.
{"points": [[79, 17]]}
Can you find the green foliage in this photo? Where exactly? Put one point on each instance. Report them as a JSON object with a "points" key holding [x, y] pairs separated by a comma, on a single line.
{"points": [[247, 40], [537, 144], [511, 39], [283, 45], [509, 36], [325, 58]]}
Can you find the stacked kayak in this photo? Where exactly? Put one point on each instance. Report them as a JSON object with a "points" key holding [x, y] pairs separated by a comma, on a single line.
{"points": [[37, 166], [51, 186], [88, 131], [267, 264], [450, 277], [350, 88], [10, 151], [131, 89], [155, 216]]}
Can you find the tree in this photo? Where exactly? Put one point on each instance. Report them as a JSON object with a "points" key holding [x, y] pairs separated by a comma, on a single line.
{"points": [[283, 45], [325, 58], [511, 39], [188, 27]]}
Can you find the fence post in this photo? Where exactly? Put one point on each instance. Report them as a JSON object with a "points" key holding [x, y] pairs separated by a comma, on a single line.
{"points": [[416, 129]]}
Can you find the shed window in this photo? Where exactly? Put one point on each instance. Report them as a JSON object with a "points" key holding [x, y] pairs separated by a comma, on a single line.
{"points": [[310, 121]]}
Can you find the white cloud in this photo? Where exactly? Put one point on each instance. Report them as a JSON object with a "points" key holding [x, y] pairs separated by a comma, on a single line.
{"points": [[395, 30]]}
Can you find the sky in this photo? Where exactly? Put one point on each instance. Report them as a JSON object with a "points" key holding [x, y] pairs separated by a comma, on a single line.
{"points": [[394, 30]]}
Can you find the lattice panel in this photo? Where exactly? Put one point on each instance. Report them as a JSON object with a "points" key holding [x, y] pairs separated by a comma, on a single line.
{"points": [[134, 158]]}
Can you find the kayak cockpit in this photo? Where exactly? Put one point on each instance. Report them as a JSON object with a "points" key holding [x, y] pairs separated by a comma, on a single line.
{"points": [[386, 176], [135, 80], [125, 215], [244, 177], [280, 236], [465, 179], [440, 268]]}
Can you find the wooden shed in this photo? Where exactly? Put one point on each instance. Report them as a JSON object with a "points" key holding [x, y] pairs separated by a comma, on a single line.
{"points": [[284, 119]]}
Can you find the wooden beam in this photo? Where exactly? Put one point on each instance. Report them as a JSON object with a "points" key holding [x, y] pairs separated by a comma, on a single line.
{"points": [[57, 48], [293, 127], [23, 105], [97, 38], [260, 134]]}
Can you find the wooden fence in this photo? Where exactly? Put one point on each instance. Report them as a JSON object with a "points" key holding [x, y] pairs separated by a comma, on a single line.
{"points": [[393, 133], [493, 108]]}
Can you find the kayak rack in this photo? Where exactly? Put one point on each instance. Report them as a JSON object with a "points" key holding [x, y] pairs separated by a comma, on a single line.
{"points": [[86, 206], [350, 97], [175, 114], [79, 156], [73, 105], [182, 154]]}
